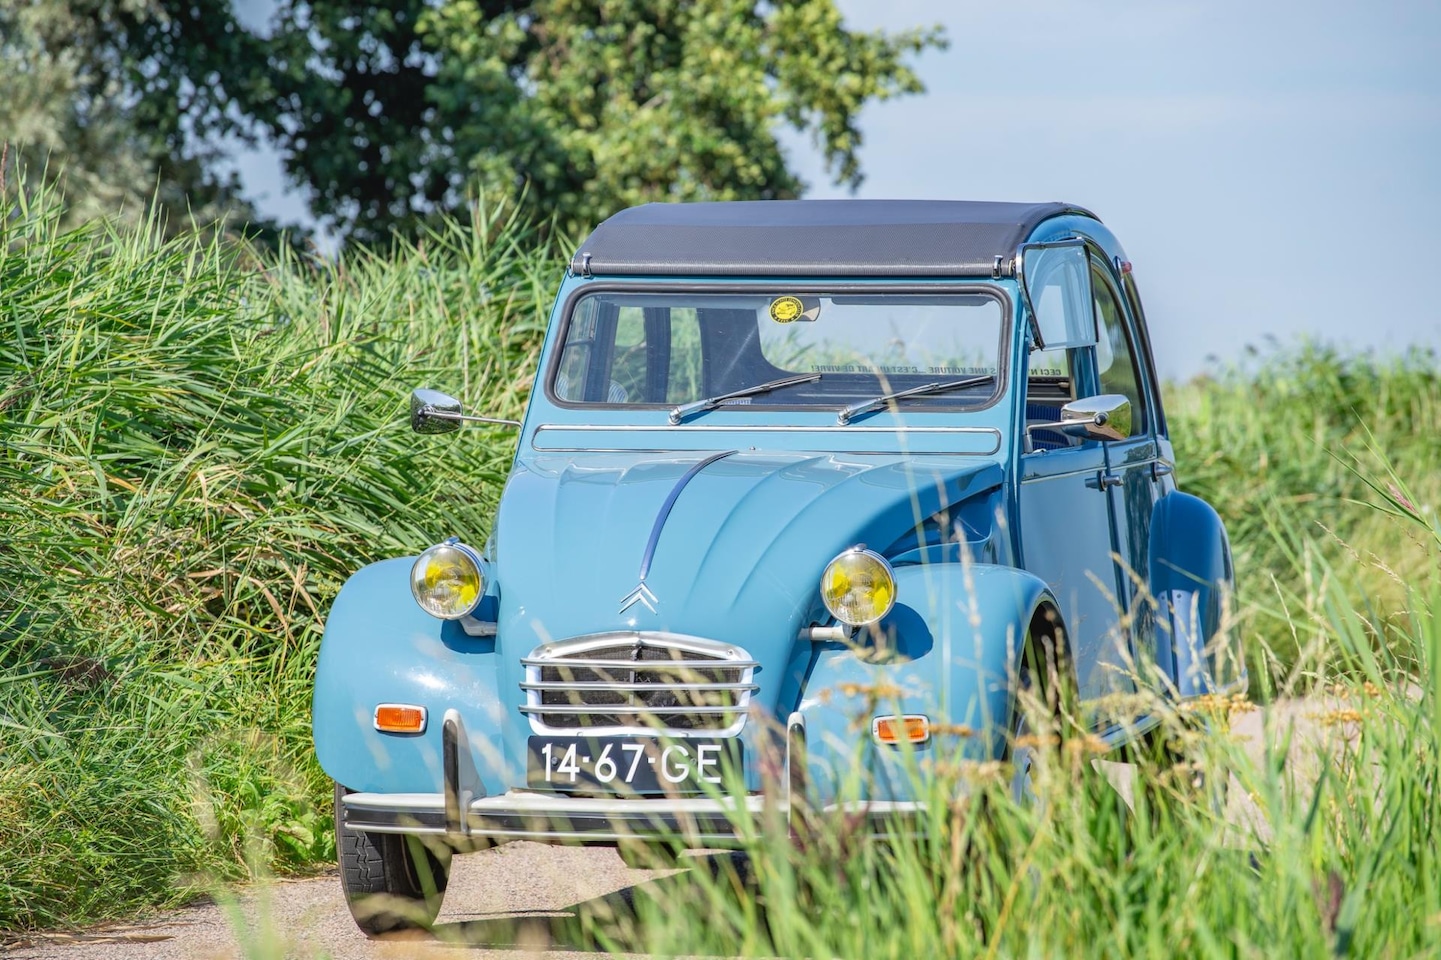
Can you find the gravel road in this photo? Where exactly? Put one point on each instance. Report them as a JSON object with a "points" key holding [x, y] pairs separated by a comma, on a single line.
{"points": [[519, 896], [499, 900]]}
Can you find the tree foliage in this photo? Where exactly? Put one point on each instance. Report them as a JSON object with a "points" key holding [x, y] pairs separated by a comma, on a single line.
{"points": [[84, 101], [389, 113]]}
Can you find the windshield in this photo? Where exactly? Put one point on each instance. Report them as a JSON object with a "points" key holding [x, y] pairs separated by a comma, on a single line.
{"points": [[667, 349]]}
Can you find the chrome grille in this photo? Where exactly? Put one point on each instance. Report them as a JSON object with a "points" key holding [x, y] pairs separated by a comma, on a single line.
{"points": [[630, 682]]}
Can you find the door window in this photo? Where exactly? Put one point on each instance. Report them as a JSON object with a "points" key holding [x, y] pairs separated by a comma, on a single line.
{"points": [[1115, 358]]}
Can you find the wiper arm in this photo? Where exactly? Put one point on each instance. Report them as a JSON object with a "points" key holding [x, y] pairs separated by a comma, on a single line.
{"points": [[846, 414], [680, 413]]}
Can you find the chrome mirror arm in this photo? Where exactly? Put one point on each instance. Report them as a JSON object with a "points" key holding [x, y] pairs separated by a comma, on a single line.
{"points": [[1103, 417], [439, 414]]}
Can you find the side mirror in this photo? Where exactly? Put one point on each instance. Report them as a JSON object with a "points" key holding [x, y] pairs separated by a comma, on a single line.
{"points": [[434, 412], [1106, 417]]}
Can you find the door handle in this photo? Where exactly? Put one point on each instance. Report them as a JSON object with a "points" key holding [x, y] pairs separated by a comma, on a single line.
{"points": [[1160, 468], [1105, 480]]}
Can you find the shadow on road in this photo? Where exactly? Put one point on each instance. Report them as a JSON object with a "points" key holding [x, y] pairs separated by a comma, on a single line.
{"points": [[607, 923]]}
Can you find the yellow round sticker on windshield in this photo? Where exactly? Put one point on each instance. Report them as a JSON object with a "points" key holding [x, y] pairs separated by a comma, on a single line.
{"points": [[786, 309]]}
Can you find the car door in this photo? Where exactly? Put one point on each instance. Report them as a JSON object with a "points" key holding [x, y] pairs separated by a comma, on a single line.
{"points": [[1067, 538], [1065, 504], [1136, 472]]}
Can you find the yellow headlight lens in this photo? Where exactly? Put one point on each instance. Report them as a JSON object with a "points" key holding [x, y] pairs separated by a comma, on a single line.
{"points": [[447, 580], [858, 587]]}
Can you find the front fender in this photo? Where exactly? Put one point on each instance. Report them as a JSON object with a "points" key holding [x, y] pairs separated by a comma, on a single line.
{"points": [[958, 629], [380, 647], [1192, 578]]}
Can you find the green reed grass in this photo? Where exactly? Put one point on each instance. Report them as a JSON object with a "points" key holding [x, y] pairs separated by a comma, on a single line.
{"points": [[201, 443], [1322, 848], [1286, 448], [199, 446]]}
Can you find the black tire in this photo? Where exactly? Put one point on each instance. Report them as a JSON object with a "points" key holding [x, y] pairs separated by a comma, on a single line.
{"points": [[391, 881], [1044, 675]]}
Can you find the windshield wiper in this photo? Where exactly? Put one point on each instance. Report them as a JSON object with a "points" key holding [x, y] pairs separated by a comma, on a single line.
{"points": [[846, 414], [678, 414]]}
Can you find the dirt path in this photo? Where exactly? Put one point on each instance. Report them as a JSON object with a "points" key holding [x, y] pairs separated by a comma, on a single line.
{"points": [[500, 899], [519, 896]]}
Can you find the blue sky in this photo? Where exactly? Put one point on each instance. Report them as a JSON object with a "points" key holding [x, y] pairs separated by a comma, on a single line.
{"points": [[1273, 167]]}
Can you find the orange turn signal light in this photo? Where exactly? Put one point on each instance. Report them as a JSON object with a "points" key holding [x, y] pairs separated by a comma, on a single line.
{"points": [[911, 728], [399, 718]]}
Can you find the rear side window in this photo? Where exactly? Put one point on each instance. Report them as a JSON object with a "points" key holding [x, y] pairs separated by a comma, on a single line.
{"points": [[1115, 356]]}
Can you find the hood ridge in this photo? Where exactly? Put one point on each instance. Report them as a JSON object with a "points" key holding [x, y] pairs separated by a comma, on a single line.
{"points": [[778, 476]]}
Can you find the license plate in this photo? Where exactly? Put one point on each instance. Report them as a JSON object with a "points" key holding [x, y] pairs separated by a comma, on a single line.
{"points": [[620, 766]]}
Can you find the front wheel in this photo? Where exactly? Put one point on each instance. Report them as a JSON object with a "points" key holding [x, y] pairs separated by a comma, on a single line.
{"points": [[391, 881]]}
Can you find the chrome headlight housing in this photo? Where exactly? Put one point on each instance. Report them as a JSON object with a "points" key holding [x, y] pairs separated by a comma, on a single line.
{"points": [[858, 587], [448, 580]]}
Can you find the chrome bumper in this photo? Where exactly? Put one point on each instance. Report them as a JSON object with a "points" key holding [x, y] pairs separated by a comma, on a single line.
{"points": [[463, 812], [523, 815]]}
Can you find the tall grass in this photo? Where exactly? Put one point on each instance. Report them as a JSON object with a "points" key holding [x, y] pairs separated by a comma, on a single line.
{"points": [[200, 444], [1326, 843], [1286, 448], [1325, 850]]}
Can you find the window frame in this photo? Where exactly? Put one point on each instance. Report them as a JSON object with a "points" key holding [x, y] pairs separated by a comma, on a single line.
{"points": [[1132, 297]]}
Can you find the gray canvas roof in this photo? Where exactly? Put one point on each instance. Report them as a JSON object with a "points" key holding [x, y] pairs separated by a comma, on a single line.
{"points": [[824, 238]]}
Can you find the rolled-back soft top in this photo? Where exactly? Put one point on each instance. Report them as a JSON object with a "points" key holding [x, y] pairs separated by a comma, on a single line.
{"points": [[822, 238]]}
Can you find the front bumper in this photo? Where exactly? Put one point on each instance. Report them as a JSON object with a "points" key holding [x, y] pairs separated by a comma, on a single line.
{"points": [[524, 815], [461, 812]]}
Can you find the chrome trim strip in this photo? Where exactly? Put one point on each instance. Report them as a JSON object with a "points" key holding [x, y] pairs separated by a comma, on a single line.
{"points": [[623, 710], [658, 666], [718, 656], [724, 653], [665, 509], [876, 807], [849, 451], [399, 802], [832, 427], [528, 803], [560, 686], [696, 838], [550, 817]]}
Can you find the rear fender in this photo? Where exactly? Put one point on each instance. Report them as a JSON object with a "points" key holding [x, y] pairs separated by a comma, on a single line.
{"points": [[1192, 579], [958, 631], [380, 647]]}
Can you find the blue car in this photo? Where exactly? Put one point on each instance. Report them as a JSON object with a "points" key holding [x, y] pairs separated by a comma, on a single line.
{"points": [[803, 489]]}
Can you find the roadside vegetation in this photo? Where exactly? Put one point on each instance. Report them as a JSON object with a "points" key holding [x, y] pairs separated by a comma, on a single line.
{"points": [[1330, 850], [201, 442]]}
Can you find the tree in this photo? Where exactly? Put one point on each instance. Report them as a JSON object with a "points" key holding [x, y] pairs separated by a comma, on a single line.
{"points": [[388, 113], [83, 107]]}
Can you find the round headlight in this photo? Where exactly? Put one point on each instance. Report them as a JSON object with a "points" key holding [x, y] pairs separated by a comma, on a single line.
{"points": [[858, 587], [447, 580]]}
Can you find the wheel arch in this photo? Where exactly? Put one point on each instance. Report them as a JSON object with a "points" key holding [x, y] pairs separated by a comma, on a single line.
{"points": [[1192, 580]]}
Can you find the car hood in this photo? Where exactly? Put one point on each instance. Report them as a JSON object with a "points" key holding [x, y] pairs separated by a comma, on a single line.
{"points": [[738, 556]]}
